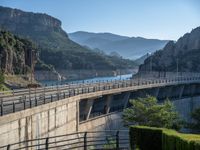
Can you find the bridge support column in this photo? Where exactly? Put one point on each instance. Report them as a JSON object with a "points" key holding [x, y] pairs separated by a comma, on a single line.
{"points": [[181, 91], [126, 99], [193, 88], [157, 92], [88, 108], [108, 103], [77, 115], [169, 92]]}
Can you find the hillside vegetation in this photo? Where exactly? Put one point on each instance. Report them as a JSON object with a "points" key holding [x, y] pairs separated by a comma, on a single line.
{"points": [[14, 54]]}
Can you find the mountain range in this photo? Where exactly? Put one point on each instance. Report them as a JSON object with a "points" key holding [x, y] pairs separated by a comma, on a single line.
{"points": [[128, 47], [182, 55], [55, 47]]}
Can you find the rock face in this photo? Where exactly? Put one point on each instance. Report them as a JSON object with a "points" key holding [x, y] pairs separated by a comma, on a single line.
{"points": [[15, 54], [185, 53], [33, 20], [35, 26]]}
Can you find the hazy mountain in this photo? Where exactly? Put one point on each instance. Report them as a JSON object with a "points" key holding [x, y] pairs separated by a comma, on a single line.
{"points": [[128, 47], [82, 37], [56, 48], [185, 53], [141, 60]]}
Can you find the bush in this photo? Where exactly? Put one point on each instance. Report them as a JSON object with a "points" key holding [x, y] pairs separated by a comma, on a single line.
{"points": [[196, 120], [146, 138], [147, 112], [149, 138]]}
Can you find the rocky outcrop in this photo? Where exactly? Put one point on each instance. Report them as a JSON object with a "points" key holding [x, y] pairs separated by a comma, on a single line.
{"points": [[19, 21], [35, 26], [185, 53], [15, 54]]}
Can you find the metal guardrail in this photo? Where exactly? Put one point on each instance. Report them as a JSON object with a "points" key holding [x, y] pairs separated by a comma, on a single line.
{"points": [[53, 86], [33, 99], [108, 139]]}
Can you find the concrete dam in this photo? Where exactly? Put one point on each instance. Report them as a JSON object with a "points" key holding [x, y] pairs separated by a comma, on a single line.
{"points": [[88, 107]]}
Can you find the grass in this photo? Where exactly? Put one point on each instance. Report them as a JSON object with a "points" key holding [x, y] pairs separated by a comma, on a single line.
{"points": [[190, 137], [3, 88], [17, 80]]}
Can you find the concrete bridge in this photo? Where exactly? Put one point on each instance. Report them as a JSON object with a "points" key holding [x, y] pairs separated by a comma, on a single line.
{"points": [[35, 113]]}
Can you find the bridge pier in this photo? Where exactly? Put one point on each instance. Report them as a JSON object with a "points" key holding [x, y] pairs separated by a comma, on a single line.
{"points": [[88, 108], [126, 99], [157, 90], [181, 91], [169, 90], [107, 105]]}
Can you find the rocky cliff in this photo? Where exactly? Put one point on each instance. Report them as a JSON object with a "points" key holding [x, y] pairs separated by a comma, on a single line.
{"points": [[15, 54], [42, 28], [33, 20], [183, 54]]}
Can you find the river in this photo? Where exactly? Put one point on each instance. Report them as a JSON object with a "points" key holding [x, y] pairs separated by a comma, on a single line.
{"points": [[89, 80]]}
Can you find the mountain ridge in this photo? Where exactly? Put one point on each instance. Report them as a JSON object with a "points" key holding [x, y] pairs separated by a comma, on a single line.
{"points": [[55, 46], [185, 53], [128, 47]]}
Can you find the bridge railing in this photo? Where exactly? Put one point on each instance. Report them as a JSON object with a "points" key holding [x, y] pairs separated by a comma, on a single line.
{"points": [[113, 139], [34, 99], [80, 84]]}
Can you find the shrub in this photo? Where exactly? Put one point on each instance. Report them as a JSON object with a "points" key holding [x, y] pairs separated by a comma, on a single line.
{"points": [[147, 112], [146, 138], [149, 138], [196, 117]]}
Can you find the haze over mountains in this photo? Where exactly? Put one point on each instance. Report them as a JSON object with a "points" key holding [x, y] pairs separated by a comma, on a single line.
{"points": [[128, 47]]}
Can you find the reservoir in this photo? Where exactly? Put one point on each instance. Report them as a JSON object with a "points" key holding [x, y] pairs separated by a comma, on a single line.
{"points": [[89, 80]]}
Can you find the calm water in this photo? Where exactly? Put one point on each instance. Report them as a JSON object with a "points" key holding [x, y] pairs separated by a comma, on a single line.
{"points": [[96, 79]]}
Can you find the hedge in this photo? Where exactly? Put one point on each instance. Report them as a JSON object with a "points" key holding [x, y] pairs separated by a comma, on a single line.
{"points": [[150, 138]]}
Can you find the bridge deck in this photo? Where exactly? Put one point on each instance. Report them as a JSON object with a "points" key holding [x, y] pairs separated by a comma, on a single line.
{"points": [[27, 98]]}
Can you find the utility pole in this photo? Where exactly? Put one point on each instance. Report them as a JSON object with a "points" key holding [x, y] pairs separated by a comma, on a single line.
{"points": [[150, 63], [32, 66], [120, 69], [177, 67]]}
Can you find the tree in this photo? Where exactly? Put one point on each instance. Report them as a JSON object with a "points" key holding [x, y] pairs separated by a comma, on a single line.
{"points": [[147, 112], [196, 117]]}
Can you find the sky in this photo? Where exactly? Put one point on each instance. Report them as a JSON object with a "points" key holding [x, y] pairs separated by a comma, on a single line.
{"points": [[158, 19]]}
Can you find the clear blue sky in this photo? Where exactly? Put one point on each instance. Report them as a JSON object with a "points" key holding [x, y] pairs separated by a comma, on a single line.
{"points": [[163, 19]]}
